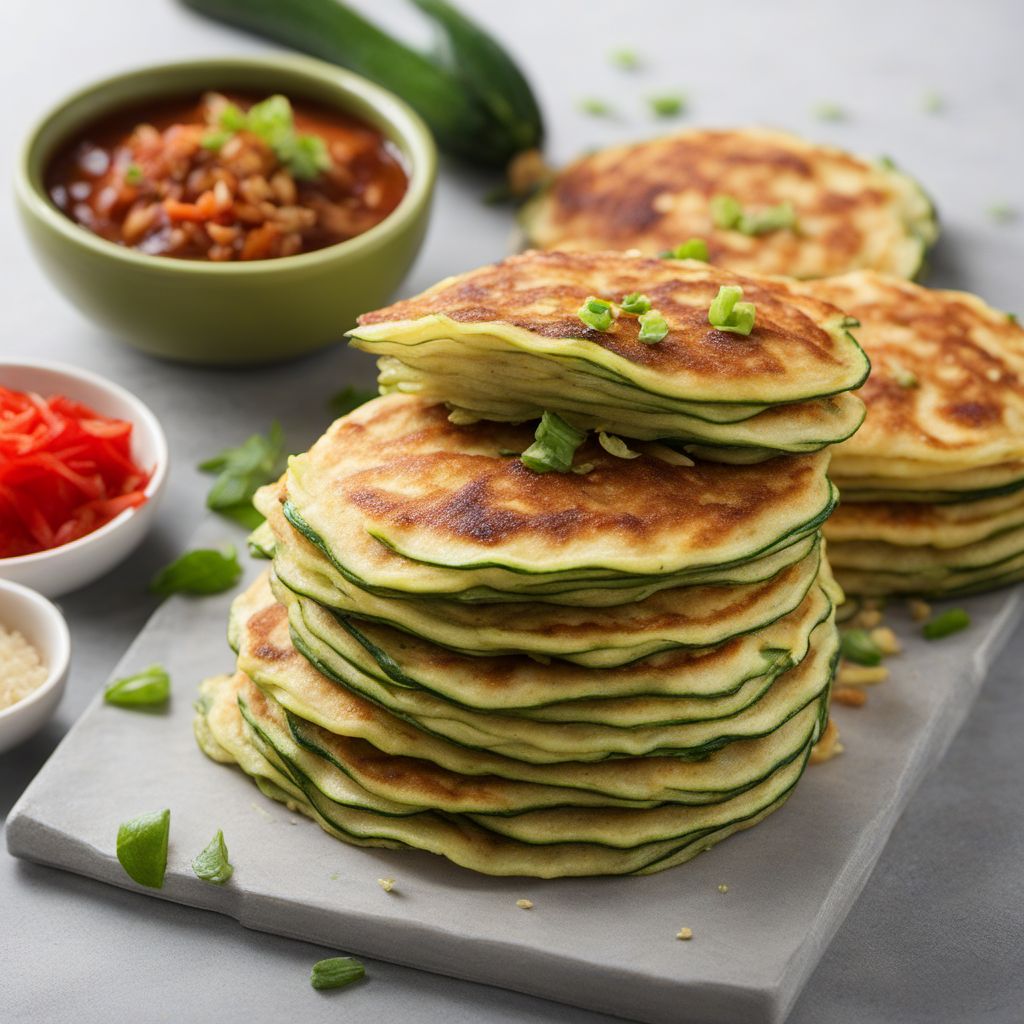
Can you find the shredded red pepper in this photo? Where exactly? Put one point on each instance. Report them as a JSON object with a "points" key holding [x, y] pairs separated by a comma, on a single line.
{"points": [[65, 470]]}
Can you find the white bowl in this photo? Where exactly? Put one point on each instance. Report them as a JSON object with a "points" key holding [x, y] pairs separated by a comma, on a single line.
{"points": [[39, 621], [72, 565]]}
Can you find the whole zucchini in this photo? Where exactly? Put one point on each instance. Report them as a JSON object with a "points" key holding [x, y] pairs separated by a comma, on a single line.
{"points": [[471, 94]]}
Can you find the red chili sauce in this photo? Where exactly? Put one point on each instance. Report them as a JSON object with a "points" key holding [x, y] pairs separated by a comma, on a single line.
{"points": [[215, 179]]}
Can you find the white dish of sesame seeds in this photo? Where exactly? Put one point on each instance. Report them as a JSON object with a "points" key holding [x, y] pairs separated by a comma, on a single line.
{"points": [[35, 651]]}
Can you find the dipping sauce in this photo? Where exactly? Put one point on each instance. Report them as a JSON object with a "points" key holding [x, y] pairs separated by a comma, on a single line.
{"points": [[65, 471], [21, 669], [228, 177]]}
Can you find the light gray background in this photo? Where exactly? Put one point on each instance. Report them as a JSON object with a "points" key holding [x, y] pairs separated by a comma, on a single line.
{"points": [[938, 933]]}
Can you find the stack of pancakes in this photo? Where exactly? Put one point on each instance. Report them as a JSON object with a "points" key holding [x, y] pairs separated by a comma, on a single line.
{"points": [[602, 671], [933, 483]]}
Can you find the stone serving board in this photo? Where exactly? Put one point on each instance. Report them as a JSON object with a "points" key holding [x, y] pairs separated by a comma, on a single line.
{"points": [[602, 944]]}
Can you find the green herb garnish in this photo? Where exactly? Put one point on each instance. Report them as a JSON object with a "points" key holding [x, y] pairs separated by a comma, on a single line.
{"points": [[273, 120], [616, 446], [1003, 213], [594, 107], [857, 646], [348, 399], [212, 865], [829, 112], [728, 313], [933, 103], [597, 313], [241, 471], [691, 249], [133, 174], [943, 625], [203, 571], [905, 378], [653, 328], [142, 847], [727, 213], [336, 972], [625, 58], [635, 302], [146, 689], [667, 105], [1012, 317], [554, 446]]}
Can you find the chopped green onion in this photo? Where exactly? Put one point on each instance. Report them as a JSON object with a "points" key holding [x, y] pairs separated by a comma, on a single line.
{"points": [[133, 174], [594, 107], [616, 446], [726, 211], [886, 162], [583, 468], [849, 321], [212, 865], [653, 328], [1003, 213], [905, 378], [336, 972], [829, 112], [933, 103], [214, 140], [146, 689], [597, 313], [635, 302], [241, 472], [348, 399], [727, 313], [142, 847], [554, 446], [857, 646], [667, 105], [691, 249], [626, 59], [943, 625], [203, 571], [772, 218], [1012, 317]]}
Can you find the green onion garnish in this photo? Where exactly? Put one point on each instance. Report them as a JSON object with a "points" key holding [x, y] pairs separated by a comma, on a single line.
{"points": [[147, 689], [142, 847], [616, 446], [653, 328], [829, 112], [133, 174], [203, 571], [594, 107], [214, 140], [241, 471], [725, 211], [905, 378], [1012, 317], [626, 59], [728, 313], [336, 972], [635, 302], [212, 865], [667, 105], [691, 249], [857, 646], [933, 103], [1003, 213], [597, 313], [554, 446], [943, 625]]}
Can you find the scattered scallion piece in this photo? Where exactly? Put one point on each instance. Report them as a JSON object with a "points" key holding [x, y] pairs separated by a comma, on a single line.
{"points": [[595, 107], [691, 249], [667, 104], [635, 302], [336, 972], [653, 328], [857, 646], [1012, 317], [616, 446], [829, 111], [905, 378], [1003, 213], [142, 847], [203, 571], [146, 689], [348, 399], [133, 174], [597, 313], [725, 211], [951, 621], [241, 471], [212, 865], [554, 446], [625, 58], [933, 103], [728, 313]]}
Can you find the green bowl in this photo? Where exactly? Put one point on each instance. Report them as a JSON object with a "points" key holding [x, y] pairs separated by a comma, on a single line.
{"points": [[228, 313]]}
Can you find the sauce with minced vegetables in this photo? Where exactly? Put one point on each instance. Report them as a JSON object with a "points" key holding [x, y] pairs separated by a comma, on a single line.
{"points": [[154, 179]]}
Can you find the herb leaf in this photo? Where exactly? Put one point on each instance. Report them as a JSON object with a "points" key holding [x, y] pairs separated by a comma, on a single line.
{"points": [[857, 646], [145, 689], [348, 399], [142, 847], [203, 571], [667, 105], [943, 625], [241, 471], [212, 865], [336, 972], [554, 446]]}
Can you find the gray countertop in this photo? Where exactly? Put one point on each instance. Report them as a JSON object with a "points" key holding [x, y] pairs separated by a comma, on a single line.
{"points": [[937, 934]]}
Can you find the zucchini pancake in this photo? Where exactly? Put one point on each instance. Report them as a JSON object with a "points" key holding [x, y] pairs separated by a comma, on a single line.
{"points": [[535, 650], [758, 201], [933, 483], [506, 342]]}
